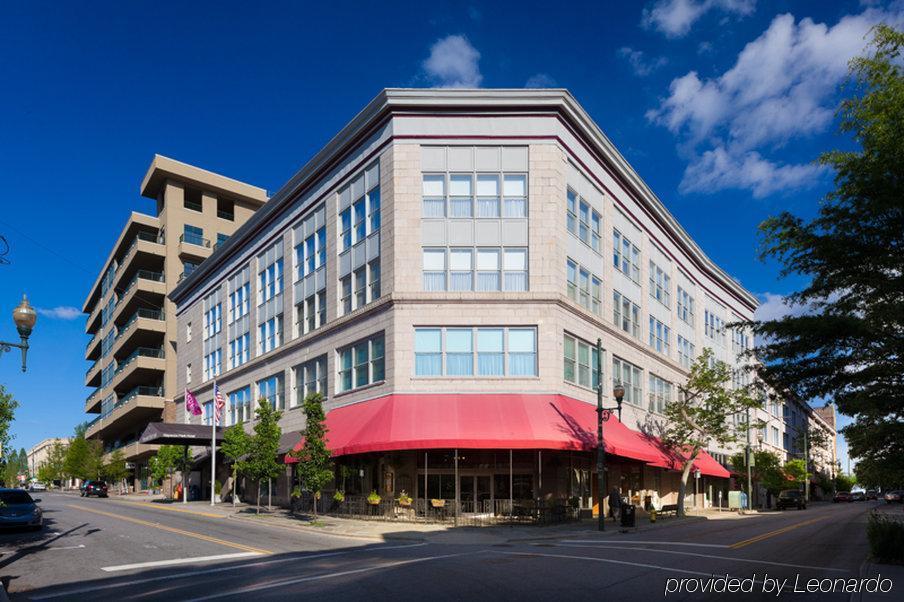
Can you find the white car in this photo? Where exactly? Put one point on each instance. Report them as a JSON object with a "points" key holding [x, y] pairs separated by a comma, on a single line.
{"points": [[37, 487]]}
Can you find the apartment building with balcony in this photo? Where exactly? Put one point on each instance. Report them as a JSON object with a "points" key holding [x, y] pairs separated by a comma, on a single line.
{"points": [[441, 272], [131, 321]]}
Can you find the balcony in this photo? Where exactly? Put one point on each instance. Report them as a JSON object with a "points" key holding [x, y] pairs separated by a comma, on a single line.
{"points": [[92, 375], [92, 402], [92, 349], [145, 328], [134, 409], [227, 215], [132, 451], [143, 366], [144, 289], [193, 245], [146, 252], [92, 325]]}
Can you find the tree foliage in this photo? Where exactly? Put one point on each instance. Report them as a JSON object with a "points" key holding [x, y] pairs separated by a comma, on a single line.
{"points": [[703, 413], [167, 459], [235, 446], [844, 482], [115, 470], [315, 467], [847, 342], [8, 405], [767, 470], [84, 457], [261, 464]]}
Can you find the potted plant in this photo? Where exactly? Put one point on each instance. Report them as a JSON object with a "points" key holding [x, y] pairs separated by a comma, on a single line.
{"points": [[374, 499], [339, 496], [405, 499], [217, 488], [295, 498]]}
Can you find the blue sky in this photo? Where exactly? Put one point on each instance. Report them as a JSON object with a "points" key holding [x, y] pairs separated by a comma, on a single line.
{"points": [[720, 105]]}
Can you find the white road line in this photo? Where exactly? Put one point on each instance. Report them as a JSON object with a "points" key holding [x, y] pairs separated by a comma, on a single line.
{"points": [[642, 543], [606, 560], [284, 582], [81, 545], [174, 561], [231, 567], [731, 558]]}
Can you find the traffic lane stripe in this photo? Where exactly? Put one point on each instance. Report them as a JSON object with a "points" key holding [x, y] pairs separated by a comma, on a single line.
{"points": [[696, 554], [213, 570], [763, 536], [201, 536], [658, 543], [193, 560], [155, 506], [607, 561]]}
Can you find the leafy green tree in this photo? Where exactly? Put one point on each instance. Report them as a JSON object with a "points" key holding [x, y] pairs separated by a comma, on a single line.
{"points": [[261, 463], [767, 470], [77, 463], [873, 475], [236, 445], [8, 405], [797, 470], [315, 468], [55, 464], [702, 414], [165, 461], [846, 343], [115, 470], [844, 482]]}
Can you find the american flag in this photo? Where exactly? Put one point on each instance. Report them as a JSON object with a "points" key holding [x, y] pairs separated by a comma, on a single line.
{"points": [[218, 402]]}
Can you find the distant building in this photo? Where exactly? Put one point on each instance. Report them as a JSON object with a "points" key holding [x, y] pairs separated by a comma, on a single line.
{"points": [[37, 455]]}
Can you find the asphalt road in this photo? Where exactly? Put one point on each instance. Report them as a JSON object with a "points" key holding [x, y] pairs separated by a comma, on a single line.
{"points": [[104, 549]]}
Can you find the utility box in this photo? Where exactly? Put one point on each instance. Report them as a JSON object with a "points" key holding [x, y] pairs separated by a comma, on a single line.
{"points": [[627, 516]]}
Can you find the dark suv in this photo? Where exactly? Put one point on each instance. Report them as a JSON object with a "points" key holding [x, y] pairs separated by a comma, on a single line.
{"points": [[98, 488], [791, 498]]}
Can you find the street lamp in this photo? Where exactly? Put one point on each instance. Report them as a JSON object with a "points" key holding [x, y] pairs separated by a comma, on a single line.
{"points": [[25, 317], [602, 415]]}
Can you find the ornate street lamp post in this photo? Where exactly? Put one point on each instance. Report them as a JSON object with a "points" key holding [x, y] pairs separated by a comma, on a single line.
{"points": [[602, 415], [25, 317]]}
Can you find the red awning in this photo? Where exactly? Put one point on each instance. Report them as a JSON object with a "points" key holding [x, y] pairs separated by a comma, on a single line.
{"points": [[508, 421], [704, 462]]}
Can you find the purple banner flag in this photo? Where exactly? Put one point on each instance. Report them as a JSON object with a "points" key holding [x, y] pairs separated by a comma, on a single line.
{"points": [[191, 404]]}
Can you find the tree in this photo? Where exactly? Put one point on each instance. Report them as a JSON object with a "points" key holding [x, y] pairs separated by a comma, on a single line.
{"points": [[315, 468], [8, 405], [871, 475], [165, 461], [767, 470], [844, 482], [264, 446], [235, 446], [56, 462], [797, 470], [115, 470], [846, 342], [702, 414]]}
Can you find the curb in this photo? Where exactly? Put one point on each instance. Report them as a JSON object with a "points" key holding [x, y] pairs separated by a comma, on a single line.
{"points": [[308, 529]]}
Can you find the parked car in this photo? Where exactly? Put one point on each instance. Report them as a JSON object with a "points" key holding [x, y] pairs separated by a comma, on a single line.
{"points": [[791, 498], [858, 496], [892, 497], [98, 488], [842, 496], [18, 509], [872, 494], [37, 487]]}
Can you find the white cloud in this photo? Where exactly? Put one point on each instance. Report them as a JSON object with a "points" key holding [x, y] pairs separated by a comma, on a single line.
{"points": [[639, 63], [540, 80], [782, 86], [674, 18], [63, 312], [453, 63]]}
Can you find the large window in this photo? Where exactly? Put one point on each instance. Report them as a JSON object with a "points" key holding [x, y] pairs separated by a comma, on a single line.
{"points": [[362, 218], [238, 302], [660, 285], [685, 303], [239, 350], [660, 336], [629, 376], [362, 364], [469, 352], [310, 254], [213, 322], [660, 394], [310, 377], [272, 389], [685, 352], [240, 405], [475, 269], [269, 335], [310, 314], [625, 256], [360, 287], [581, 363], [714, 327], [469, 195], [626, 314], [213, 362], [583, 220], [270, 281], [584, 288]]}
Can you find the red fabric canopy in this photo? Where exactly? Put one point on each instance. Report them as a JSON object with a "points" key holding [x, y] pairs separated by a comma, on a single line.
{"points": [[437, 421], [705, 463]]}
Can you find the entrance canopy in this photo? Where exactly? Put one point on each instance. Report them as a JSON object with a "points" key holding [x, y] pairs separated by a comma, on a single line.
{"points": [[705, 463], [167, 433], [505, 421]]}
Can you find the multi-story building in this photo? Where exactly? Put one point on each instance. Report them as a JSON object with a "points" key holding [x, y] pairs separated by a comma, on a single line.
{"points": [[37, 455], [441, 272], [131, 322]]}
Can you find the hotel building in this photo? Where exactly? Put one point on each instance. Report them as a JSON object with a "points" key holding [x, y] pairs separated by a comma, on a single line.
{"points": [[441, 272], [130, 319]]}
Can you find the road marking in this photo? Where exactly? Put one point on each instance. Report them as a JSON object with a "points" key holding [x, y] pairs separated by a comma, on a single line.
{"points": [[81, 545], [658, 543], [138, 521], [731, 558], [297, 580], [155, 506], [606, 560], [208, 571], [196, 559], [763, 536]]}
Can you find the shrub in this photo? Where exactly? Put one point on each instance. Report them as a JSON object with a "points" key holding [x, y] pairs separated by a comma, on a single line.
{"points": [[886, 538], [339, 496], [374, 498]]}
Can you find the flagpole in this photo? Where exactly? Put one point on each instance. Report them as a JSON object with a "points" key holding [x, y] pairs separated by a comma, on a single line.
{"points": [[213, 444]]}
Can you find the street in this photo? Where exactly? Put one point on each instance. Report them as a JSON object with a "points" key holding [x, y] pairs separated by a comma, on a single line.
{"points": [[104, 548]]}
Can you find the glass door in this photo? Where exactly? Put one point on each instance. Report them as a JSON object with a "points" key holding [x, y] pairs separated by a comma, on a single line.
{"points": [[483, 494], [466, 492]]}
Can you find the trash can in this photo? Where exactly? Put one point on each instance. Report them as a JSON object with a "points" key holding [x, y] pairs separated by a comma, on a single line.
{"points": [[627, 515]]}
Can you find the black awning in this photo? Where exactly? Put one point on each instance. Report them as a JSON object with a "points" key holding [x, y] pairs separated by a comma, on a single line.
{"points": [[168, 433]]}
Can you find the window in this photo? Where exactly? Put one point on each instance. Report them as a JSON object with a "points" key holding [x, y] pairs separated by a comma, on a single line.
{"points": [[213, 322], [584, 288], [361, 287], [270, 281], [207, 415], [775, 436], [345, 233], [740, 340], [187, 373], [714, 327], [434, 269], [659, 336], [488, 195], [310, 254], [194, 235], [625, 256], [361, 364], [238, 302], [192, 199], [345, 292], [273, 390], [213, 364], [461, 266], [629, 376], [362, 218], [359, 218], [310, 377], [583, 220], [514, 191], [685, 306], [221, 238], [487, 269], [188, 332], [660, 394], [373, 208], [434, 195], [269, 335], [581, 363], [685, 352], [240, 405], [460, 195], [310, 314], [239, 350], [515, 270], [660, 285], [373, 283], [482, 269], [626, 314], [468, 352]]}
